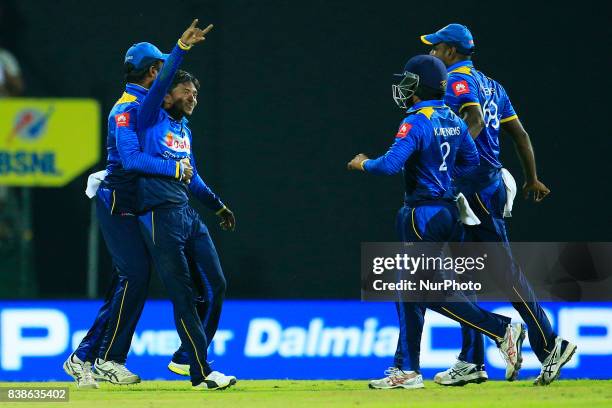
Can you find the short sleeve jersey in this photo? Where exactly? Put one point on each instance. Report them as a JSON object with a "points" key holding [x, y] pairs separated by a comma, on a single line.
{"points": [[467, 86]]}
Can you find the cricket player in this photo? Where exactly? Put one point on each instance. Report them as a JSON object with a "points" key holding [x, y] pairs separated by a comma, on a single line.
{"points": [[173, 232], [431, 147], [110, 336], [208, 301], [484, 105]]}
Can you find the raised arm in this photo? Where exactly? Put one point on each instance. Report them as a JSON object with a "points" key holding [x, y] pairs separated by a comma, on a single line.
{"points": [[152, 103]]}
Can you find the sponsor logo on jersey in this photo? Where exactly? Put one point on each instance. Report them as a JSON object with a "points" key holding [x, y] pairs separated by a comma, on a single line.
{"points": [[177, 143], [460, 88], [487, 91], [122, 119], [403, 130]]}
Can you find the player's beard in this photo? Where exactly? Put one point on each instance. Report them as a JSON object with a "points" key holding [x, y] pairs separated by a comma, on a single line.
{"points": [[179, 109]]}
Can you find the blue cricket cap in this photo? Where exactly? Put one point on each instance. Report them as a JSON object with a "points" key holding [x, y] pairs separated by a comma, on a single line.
{"points": [[431, 71], [142, 54], [456, 35]]}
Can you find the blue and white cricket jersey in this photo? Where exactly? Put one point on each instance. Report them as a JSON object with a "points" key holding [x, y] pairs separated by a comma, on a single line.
{"points": [[432, 146], [467, 86], [124, 156], [163, 137]]}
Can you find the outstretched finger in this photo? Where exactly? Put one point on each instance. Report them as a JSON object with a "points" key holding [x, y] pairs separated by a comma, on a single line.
{"points": [[194, 23], [207, 29]]}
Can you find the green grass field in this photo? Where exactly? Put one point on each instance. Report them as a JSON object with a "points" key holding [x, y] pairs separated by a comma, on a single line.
{"points": [[294, 394]]}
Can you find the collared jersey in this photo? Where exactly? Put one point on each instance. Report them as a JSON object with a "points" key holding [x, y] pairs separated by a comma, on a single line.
{"points": [[432, 146], [467, 86]]}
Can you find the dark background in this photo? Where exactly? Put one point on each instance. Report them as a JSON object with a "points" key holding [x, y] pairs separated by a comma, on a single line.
{"points": [[291, 91]]}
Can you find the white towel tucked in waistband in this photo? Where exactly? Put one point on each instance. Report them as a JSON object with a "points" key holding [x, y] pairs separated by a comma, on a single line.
{"points": [[93, 183], [510, 184], [467, 215]]}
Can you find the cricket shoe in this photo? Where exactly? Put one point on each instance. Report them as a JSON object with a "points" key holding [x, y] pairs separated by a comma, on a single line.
{"points": [[462, 373], [397, 378], [216, 381], [183, 369], [80, 371], [180, 369], [510, 349], [558, 357], [114, 373]]}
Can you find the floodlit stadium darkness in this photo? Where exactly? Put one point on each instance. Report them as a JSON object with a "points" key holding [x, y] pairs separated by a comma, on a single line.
{"points": [[285, 96]]}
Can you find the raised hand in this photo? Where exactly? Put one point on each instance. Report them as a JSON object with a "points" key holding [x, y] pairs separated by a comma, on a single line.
{"points": [[194, 35]]}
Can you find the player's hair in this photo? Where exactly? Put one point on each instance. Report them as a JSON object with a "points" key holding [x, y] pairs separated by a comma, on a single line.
{"points": [[465, 53], [133, 75], [426, 93], [182, 77]]}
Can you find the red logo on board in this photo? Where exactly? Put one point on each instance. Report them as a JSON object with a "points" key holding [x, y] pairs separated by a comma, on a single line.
{"points": [[403, 130], [460, 88], [122, 119]]}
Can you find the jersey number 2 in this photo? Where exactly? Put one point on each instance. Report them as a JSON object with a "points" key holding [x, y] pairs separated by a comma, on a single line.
{"points": [[445, 148]]}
